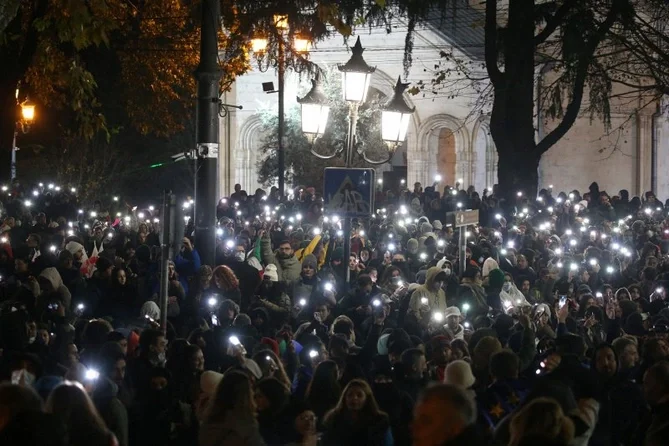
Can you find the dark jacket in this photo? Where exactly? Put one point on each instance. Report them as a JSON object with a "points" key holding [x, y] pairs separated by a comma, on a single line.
{"points": [[341, 430]]}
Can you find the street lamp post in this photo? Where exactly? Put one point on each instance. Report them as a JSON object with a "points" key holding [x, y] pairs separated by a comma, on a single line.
{"points": [[301, 46], [22, 124], [356, 79]]}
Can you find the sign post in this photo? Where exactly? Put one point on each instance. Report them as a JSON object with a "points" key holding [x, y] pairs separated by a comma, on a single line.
{"points": [[462, 219], [348, 193]]}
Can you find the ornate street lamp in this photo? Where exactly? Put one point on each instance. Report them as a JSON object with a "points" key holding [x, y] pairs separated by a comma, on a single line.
{"points": [[314, 109], [395, 118], [356, 76]]}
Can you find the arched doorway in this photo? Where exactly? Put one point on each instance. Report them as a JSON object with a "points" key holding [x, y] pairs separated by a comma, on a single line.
{"points": [[446, 157]]}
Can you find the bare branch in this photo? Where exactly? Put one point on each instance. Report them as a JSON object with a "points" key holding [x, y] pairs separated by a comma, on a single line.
{"points": [[554, 22], [584, 62]]}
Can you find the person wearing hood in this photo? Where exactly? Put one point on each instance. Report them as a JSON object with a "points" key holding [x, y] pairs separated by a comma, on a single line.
{"points": [[451, 285], [78, 251], [429, 299], [510, 296], [53, 289], [287, 265]]}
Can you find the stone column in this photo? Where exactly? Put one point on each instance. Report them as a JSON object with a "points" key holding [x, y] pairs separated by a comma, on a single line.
{"points": [[644, 152], [661, 149]]}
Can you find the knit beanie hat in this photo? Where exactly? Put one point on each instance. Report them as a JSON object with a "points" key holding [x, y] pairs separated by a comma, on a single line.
{"points": [[271, 272], [425, 228], [151, 310], [437, 225], [310, 260], [412, 244]]}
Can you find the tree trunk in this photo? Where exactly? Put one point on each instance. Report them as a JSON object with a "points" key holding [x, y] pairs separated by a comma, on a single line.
{"points": [[518, 171]]}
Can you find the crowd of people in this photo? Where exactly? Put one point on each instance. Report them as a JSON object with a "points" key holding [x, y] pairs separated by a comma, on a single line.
{"points": [[555, 332]]}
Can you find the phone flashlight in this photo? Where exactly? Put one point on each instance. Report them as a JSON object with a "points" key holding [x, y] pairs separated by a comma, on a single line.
{"points": [[212, 301], [423, 300], [438, 316], [313, 354], [465, 307], [91, 375], [234, 340], [376, 302], [303, 302], [328, 286]]}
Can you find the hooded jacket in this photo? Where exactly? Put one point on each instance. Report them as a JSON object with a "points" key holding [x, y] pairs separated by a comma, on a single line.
{"points": [[289, 269], [436, 299], [52, 275]]}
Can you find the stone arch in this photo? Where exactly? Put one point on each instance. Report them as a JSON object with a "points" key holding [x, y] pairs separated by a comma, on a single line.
{"points": [[246, 155], [443, 147], [484, 155]]}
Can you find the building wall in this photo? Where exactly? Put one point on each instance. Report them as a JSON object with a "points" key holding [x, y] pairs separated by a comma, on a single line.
{"points": [[573, 163], [385, 51]]}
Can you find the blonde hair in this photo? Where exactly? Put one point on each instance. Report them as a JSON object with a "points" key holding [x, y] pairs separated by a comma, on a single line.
{"points": [[544, 417]]}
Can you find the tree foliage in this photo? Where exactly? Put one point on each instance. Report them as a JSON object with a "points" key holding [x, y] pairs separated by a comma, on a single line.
{"points": [[142, 53], [304, 168]]}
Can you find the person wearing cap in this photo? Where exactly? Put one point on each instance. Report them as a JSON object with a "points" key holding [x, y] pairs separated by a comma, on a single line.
{"points": [[452, 327], [429, 299]]}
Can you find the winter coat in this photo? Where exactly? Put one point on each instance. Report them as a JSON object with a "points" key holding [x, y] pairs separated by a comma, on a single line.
{"points": [[289, 269], [436, 299], [187, 265]]}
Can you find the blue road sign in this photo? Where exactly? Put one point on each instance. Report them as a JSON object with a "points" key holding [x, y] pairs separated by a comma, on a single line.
{"points": [[349, 192]]}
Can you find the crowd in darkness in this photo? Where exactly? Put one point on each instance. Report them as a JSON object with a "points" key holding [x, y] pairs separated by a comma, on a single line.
{"points": [[555, 331]]}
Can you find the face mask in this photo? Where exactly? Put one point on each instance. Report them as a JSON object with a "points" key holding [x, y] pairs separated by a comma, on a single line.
{"points": [[241, 256], [158, 359], [31, 340], [507, 286], [447, 271]]}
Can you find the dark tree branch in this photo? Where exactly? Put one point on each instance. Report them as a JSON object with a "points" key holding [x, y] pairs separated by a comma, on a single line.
{"points": [[555, 21], [584, 61]]}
